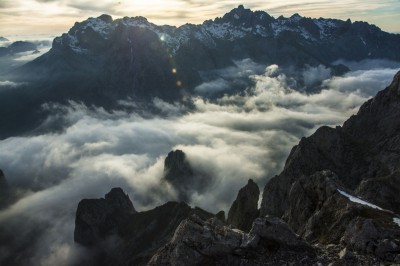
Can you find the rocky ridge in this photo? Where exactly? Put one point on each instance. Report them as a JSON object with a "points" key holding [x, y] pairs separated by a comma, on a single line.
{"points": [[115, 233], [98, 218], [324, 196], [340, 186], [239, 23]]}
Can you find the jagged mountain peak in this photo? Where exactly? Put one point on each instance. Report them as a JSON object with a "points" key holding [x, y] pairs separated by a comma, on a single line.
{"points": [[118, 198], [3, 182], [245, 208], [179, 174], [245, 17], [106, 18]]}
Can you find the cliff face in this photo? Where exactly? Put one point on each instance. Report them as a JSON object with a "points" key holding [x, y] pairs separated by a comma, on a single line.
{"points": [[98, 218], [119, 235], [364, 154], [341, 185], [245, 208]]}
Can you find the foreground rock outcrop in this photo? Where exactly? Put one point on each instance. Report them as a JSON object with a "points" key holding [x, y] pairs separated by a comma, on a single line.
{"points": [[116, 234], [98, 218], [340, 186], [199, 242]]}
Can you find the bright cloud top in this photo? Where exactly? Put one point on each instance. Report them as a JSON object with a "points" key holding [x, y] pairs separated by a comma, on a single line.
{"points": [[231, 140]]}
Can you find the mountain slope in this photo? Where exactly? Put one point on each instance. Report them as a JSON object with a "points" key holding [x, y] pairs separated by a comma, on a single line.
{"points": [[364, 151], [119, 235], [341, 185]]}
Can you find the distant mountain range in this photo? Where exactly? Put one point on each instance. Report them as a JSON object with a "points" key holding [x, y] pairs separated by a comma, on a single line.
{"points": [[18, 47], [101, 60]]}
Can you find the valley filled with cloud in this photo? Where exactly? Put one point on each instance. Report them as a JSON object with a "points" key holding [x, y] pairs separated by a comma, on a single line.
{"points": [[229, 139]]}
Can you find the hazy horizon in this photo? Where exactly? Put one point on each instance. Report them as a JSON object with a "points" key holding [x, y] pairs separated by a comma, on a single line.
{"points": [[54, 17]]}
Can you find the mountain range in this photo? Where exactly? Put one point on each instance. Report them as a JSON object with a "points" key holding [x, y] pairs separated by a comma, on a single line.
{"points": [[101, 61]]}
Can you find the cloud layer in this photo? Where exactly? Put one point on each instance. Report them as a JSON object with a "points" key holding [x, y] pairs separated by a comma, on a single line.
{"points": [[231, 139]]}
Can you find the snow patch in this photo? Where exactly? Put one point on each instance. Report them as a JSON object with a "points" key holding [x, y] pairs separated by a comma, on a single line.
{"points": [[225, 30], [236, 16], [361, 38], [358, 200], [99, 26], [73, 43], [396, 221], [326, 27]]}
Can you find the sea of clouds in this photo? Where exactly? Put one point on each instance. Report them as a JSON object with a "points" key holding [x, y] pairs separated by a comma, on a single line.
{"points": [[231, 139]]}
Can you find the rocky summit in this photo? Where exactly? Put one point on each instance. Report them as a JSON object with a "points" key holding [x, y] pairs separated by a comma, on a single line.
{"points": [[245, 208], [116, 234], [199, 242], [179, 174], [98, 218]]}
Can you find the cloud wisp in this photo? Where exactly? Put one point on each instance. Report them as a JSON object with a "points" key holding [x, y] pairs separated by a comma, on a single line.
{"points": [[231, 139]]}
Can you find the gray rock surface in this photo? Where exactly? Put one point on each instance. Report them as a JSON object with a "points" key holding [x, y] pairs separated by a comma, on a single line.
{"points": [[199, 242], [362, 159], [368, 236], [245, 207], [97, 219], [118, 235], [363, 151]]}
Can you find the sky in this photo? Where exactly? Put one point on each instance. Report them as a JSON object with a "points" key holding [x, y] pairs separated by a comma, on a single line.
{"points": [[54, 17]]}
